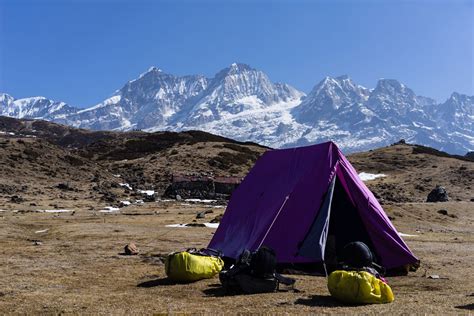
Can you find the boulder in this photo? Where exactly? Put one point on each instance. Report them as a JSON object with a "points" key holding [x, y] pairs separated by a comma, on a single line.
{"points": [[438, 194], [131, 249]]}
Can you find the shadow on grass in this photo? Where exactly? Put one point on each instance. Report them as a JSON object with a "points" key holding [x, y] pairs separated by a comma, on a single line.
{"points": [[217, 290], [158, 282], [320, 300], [469, 307]]}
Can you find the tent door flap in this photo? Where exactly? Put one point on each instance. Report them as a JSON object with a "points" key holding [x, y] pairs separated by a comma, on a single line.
{"points": [[314, 244]]}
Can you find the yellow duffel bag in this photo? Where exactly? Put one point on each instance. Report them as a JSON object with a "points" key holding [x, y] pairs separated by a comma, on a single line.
{"points": [[188, 266], [359, 287]]}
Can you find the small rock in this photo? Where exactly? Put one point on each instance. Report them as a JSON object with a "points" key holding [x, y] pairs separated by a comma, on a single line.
{"points": [[443, 212], [17, 199], [64, 186], [131, 249], [217, 219], [109, 197], [124, 204], [149, 198], [195, 225], [201, 214], [433, 276], [178, 197]]}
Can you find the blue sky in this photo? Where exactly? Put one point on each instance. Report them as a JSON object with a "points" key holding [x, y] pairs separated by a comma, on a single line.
{"points": [[82, 51]]}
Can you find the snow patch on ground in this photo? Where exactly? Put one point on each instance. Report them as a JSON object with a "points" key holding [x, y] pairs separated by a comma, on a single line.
{"points": [[177, 225], [126, 185], [41, 231], [365, 176], [54, 211], [147, 192], [200, 201], [209, 225], [109, 209]]}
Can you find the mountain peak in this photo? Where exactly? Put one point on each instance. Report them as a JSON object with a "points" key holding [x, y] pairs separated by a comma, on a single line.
{"points": [[238, 67], [154, 69], [457, 96], [343, 77], [330, 84], [389, 83], [242, 102], [5, 96]]}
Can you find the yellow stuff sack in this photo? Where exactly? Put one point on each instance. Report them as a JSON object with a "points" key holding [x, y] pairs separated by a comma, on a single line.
{"points": [[359, 287], [186, 267]]}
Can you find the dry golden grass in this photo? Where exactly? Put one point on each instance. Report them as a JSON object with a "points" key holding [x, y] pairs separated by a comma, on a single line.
{"points": [[77, 267]]}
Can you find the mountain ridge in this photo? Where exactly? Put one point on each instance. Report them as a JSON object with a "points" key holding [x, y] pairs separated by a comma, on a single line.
{"points": [[243, 103]]}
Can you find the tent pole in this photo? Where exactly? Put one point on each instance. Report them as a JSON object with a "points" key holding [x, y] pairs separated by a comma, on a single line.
{"points": [[273, 222]]}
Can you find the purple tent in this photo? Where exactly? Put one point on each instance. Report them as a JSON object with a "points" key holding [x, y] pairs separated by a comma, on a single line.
{"points": [[292, 199]]}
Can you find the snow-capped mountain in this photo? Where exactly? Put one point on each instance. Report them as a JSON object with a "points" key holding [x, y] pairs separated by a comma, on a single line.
{"points": [[329, 96], [36, 107], [238, 89], [149, 101], [243, 103]]}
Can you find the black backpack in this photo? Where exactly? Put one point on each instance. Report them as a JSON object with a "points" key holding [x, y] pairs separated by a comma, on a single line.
{"points": [[358, 256], [254, 273], [263, 262]]}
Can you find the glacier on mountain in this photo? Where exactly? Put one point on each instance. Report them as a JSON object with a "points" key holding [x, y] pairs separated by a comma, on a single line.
{"points": [[242, 103]]}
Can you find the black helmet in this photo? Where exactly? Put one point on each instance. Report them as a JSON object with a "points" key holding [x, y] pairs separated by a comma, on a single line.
{"points": [[357, 254]]}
